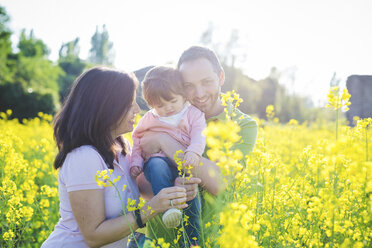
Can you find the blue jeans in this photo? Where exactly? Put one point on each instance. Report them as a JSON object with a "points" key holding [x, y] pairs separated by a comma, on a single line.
{"points": [[161, 173]]}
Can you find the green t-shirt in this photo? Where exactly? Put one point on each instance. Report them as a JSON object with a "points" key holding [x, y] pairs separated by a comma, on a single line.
{"points": [[248, 133]]}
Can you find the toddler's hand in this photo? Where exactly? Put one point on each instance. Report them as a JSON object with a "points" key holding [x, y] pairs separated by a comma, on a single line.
{"points": [[191, 158], [135, 171]]}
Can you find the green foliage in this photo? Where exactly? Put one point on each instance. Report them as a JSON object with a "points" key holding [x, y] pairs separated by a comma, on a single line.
{"points": [[72, 66], [28, 79], [38, 74], [30, 46], [33, 70], [5, 46], [69, 50], [102, 49], [24, 104]]}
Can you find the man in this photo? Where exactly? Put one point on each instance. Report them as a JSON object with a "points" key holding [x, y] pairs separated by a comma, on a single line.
{"points": [[203, 76]]}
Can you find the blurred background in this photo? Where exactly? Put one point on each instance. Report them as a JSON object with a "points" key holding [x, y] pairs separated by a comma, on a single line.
{"points": [[283, 53]]}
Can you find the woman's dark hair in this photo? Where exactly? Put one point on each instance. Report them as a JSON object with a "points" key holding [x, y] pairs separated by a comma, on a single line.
{"points": [[99, 99]]}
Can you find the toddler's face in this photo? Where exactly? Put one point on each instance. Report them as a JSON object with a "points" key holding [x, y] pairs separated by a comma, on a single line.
{"points": [[172, 107]]}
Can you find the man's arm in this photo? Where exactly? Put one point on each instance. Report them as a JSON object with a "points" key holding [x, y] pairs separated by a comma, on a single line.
{"points": [[209, 172], [248, 133]]}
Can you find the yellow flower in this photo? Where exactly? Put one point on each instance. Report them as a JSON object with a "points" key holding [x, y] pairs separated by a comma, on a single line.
{"points": [[116, 179], [337, 101], [9, 112], [44, 203], [293, 122], [131, 204], [270, 112], [8, 235]]}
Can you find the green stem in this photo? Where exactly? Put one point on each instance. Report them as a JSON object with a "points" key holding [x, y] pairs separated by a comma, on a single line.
{"points": [[366, 144], [149, 223], [273, 199], [183, 226], [200, 216], [336, 123], [125, 214], [333, 228], [201, 220]]}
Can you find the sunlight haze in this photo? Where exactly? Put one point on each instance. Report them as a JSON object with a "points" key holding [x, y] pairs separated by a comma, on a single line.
{"points": [[306, 40]]}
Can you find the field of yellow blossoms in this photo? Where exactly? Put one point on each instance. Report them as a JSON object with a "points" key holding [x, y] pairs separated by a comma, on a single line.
{"points": [[300, 187]]}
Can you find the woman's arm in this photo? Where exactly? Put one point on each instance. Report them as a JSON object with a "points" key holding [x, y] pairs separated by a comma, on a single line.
{"points": [[88, 207], [209, 172]]}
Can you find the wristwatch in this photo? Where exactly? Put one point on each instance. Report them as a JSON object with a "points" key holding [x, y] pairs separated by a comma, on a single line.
{"points": [[137, 215]]}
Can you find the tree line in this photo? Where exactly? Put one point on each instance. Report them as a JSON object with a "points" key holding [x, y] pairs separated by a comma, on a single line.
{"points": [[31, 83], [258, 94]]}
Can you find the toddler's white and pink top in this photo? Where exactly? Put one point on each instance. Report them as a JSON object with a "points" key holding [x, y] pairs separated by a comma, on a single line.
{"points": [[78, 173], [186, 127]]}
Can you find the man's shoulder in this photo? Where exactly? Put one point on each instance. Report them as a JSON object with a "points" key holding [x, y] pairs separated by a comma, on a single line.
{"points": [[244, 119], [241, 118]]}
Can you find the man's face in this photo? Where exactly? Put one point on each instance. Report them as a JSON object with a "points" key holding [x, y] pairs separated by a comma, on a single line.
{"points": [[202, 85]]}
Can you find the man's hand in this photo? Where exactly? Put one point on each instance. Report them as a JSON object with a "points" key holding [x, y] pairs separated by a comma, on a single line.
{"points": [[190, 185], [191, 158], [135, 171]]}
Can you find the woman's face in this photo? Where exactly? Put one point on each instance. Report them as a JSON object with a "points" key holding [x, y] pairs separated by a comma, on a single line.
{"points": [[126, 123]]}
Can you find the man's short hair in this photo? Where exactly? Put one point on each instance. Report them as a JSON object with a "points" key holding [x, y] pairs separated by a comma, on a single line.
{"points": [[196, 52], [162, 82]]}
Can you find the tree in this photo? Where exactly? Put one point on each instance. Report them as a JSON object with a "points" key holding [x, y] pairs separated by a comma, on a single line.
{"points": [[69, 50], [71, 64], [24, 104], [257, 95], [5, 47], [30, 46], [102, 48], [34, 70], [207, 35], [28, 80]]}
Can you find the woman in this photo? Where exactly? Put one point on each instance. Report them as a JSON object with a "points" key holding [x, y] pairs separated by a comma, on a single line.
{"points": [[99, 109]]}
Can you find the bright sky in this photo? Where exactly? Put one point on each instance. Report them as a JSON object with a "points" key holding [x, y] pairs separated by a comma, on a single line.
{"points": [[310, 39]]}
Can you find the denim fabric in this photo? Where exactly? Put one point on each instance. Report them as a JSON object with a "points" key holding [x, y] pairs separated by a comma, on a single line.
{"points": [[161, 173], [140, 237]]}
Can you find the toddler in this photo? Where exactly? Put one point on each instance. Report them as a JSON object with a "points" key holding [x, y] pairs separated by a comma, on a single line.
{"points": [[163, 91]]}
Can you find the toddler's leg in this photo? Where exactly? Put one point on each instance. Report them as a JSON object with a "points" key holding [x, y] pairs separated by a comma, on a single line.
{"points": [[158, 172], [161, 174]]}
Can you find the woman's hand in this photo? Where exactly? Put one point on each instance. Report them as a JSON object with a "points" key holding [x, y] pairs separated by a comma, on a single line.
{"points": [[167, 197], [191, 186]]}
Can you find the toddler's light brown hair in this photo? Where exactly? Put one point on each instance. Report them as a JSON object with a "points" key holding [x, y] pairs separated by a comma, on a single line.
{"points": [[162, 82]]}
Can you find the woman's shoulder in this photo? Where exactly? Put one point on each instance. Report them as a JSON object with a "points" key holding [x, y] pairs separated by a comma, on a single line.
{"points": [[84, 155], [80, 167], [85, 150]]}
